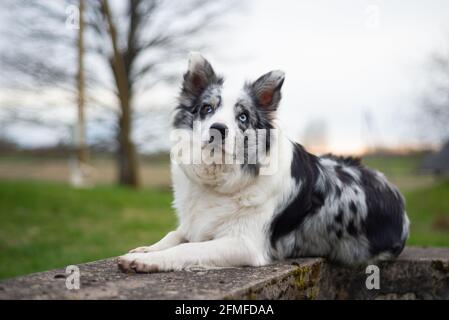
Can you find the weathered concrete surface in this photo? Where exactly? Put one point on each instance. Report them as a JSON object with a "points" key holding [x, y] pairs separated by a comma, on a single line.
{"points": [[417, 274]]}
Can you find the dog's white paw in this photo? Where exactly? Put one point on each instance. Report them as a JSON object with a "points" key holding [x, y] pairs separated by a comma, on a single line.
{"points": [[143, 249], [140, 262]]}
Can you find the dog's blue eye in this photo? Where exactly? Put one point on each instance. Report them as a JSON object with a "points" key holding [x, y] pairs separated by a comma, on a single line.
{"points": [[207, 108], [243, 118]]}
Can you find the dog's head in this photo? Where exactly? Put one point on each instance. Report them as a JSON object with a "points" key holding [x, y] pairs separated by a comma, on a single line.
{"points": [[222, 118]]}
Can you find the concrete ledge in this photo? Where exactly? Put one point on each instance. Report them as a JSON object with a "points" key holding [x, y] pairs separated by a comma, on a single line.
{"points": [[418, 273]]}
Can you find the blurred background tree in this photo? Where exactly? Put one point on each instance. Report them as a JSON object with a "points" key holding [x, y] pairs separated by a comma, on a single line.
{"points": [[137, 41]]}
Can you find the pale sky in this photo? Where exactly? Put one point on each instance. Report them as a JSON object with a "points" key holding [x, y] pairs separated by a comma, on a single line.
{"points": [[341, 58], [344, 61]]}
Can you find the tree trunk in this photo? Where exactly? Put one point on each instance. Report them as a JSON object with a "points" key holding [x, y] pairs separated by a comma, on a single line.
{"points": [[82, 151], [126, 156]]}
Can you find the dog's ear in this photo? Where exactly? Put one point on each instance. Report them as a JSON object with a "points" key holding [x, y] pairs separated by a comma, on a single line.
{"points": [[267, 89], [198, 77]]}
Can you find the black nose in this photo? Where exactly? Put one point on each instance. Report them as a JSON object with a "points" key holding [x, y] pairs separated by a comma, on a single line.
{"points": [[220, 127]]}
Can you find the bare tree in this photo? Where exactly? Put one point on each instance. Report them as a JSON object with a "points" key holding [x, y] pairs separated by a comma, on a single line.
{"points": [[138, 41], [35, 48], [142, 42], [36, 55]]}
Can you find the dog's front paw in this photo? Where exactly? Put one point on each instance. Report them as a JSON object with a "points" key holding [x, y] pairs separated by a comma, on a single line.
{"points": [[140, 262], [143, 249]]}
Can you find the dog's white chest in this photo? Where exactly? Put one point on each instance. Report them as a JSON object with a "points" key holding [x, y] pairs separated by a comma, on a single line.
{"points": [[204, 214]]}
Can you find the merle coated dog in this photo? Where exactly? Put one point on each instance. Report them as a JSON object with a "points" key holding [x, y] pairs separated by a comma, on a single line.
{"points": [[238, 214]]}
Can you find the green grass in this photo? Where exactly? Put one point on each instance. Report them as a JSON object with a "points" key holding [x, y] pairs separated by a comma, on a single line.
{"points": [[425, 207], [49, 225], [394, 165]]}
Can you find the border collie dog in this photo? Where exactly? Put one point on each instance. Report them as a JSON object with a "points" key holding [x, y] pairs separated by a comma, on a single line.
{"points": [[241, 213]]}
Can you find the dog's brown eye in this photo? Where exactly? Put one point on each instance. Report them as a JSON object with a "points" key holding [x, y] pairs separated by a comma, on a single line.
{"points": [[207, 108]]}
